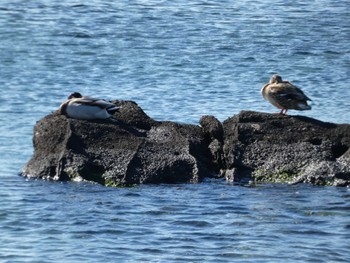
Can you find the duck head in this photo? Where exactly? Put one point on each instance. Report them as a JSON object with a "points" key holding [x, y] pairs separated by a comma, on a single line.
{"points": [[275, 79], [75, 95]]}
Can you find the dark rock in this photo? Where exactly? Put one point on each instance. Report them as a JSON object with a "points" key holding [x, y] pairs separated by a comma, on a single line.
{"points": [[277, 148], [212, 127], [131, 114], [214, 135], [130, 148]]}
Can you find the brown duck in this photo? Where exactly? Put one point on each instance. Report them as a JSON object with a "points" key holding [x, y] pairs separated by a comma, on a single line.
{"points": [[284, 95]]}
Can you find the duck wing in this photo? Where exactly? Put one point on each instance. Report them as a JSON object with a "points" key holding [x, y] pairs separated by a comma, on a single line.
{"points": [[287, 91], [88, 101]]}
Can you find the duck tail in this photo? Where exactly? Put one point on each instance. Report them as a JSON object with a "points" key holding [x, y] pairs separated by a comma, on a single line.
{"points": [[112, 109], [304, 106]]}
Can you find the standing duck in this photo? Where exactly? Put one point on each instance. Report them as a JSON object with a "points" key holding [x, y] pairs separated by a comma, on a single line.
{"points": [[284, 95], [87, 108]]}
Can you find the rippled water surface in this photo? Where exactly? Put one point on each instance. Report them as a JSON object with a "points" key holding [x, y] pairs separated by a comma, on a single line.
{"points": [[178, 60], [209, 222]]}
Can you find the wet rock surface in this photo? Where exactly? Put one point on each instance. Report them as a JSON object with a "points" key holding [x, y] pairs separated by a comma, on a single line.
{"points": [[132, 148]]}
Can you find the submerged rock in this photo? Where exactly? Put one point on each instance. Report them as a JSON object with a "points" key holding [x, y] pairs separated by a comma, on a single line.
{"points": [[132, 148]]}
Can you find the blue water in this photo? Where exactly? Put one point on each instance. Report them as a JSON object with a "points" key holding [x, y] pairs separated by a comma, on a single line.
{"points": [[178, 60]]}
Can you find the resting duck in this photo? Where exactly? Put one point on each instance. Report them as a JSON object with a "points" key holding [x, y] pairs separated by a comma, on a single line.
{"points": [[87, 108], [284, 95]]}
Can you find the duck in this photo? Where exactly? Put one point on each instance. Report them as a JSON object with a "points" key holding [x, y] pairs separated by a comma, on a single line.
{"points": [[284, 95], [87, 108]]}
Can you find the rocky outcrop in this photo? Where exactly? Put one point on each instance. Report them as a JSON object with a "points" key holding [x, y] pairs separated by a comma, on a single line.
{"points": [[129, 149], [132, 148], [276, 148]]}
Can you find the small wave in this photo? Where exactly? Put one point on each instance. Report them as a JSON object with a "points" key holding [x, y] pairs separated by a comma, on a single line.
{"points": [[195, 223]]}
